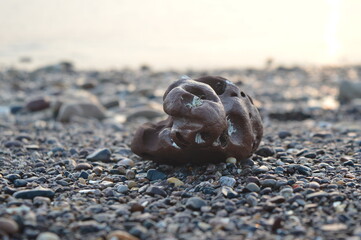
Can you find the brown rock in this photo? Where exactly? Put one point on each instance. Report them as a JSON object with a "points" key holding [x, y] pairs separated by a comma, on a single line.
{"points": [[83, 166], [38, 104], [210, 119], [8, 225], [120, 235]]}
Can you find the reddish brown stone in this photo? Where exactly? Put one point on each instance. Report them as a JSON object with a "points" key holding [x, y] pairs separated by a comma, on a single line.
{"points": [[209, 120], [38, 104]]}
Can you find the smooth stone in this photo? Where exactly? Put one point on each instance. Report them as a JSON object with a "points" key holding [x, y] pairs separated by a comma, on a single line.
{"points": [[277, 199], [83, 166], [304, 170], [335, 227], [30, 194], [228, 192], [284, 134], [12, 177], [153, 175], [20, 183], [231, 160], [8, 226], [145, 112], [126, 162], [13, 144], [120, 235], [156, 191], [38, 104], [175, 181], [84, 175], [261, 169], [195, 203], [130, 174], [319, 194], [47, 236], [265, 152], [136, 207], [314, 185], [252, 187], [286, 192], [269, 183], [311, 155], [227, 181], [102, 155], [122, 189], [98, 170]]}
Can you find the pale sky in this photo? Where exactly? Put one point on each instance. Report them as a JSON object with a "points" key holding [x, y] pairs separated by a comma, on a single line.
{"points": [[180, 34]]}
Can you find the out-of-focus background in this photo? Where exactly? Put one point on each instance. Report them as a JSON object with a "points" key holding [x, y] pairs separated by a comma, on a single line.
{"points": [[179, 34]]}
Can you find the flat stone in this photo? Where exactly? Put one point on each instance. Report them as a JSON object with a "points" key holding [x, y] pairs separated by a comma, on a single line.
{"points": [[319, 194], [126, 162], [101, 155], [122, 188], [38, 104], [13, 144], [261, 169], [195, 203], [284, 134], [227, 181], [154, 175], [277, 199], [47, 236], [252, 187], [8, 226], [335, 227], [20, 183], [231, 160], [30, 194], [269, 183]]}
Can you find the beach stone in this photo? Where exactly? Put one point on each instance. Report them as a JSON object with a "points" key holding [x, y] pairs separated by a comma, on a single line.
{"points": [[30, 194], [20, 183], [12, 177], [98, 170], [261, 169], [314, 185], [83, 166], [101, 155], [175, 181], [319, 194], [268, 183], [13, 144], [265, 152], [156, 191], [8, 226], [122, 188], [335, 227], [153, 175], [252, 187], [38, 104], [227, 181], [126, 162], [144, 112], [136, 207], [228, 192], [47, 236], [277, 199], [195, 203], [286, 192], [120, 235], [231, 160], [349, 90], [130, 174], [284, 134]]}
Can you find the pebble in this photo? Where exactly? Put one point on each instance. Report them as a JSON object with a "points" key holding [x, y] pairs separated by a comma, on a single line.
{"points": [[102, 155], [153, 175], [231, 160], [261, 169], [265, 152], [120, 235], [98, 170], [30, 194], [20, 183], [13, 144], [195, 203], [126, 162], [8, 226], [83, 166], [268, 183], [284, 134], [38, 104], [286, 192], [314, 185], [252, 187], [47, 236], [122, 188], [319, 194], [335, 227], [130, 174], [156, 191], [228, 192], [175, 181], [227, 181], [277, 199]]}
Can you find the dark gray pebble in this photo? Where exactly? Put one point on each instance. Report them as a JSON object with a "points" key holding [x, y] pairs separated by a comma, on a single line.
{"points": [[153, 174], [265, 152], [156, 191], [30, 194], [195, 203], [102, 155], [228, 192]]}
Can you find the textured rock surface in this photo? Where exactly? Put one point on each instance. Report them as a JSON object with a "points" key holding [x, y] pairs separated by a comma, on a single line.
{"points": [[210, 119]]}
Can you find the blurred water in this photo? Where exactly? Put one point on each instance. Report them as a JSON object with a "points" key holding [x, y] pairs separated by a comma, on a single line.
{"points": [[179, 34]]}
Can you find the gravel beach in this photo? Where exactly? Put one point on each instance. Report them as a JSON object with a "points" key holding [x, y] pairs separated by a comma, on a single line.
{"points": [[67, 171]]}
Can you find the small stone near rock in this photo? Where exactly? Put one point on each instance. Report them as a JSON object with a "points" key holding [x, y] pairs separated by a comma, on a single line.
{"points": [[277, 199], [175, 181], [83, 166], [38, 104], [156, 191], [120, 235], [284, 134], [8, 225], [252, 187], [227, 181], [126, 162], [228, 192], [13, 144], [231, 160], [154, 174], [265, 152], [195, 203], [102, 155], [30, 194], [47, 236]]}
